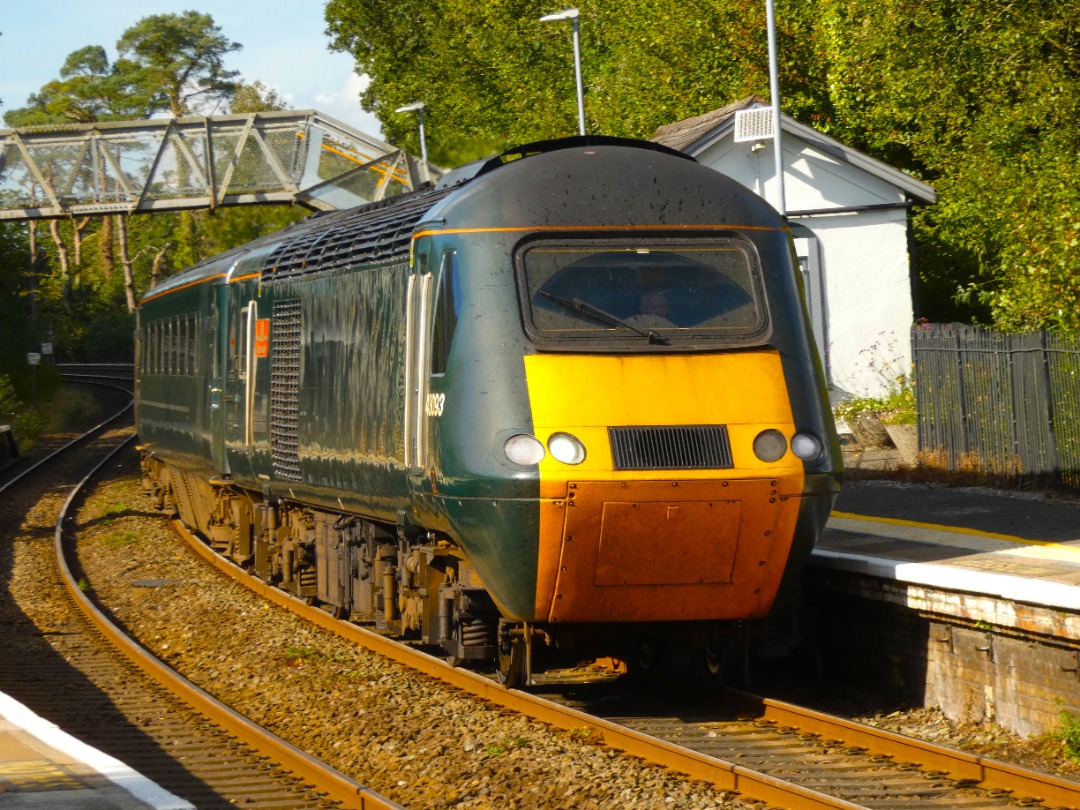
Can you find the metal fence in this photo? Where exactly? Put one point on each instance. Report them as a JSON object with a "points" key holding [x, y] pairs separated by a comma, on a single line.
{"points": [[997, 402]]}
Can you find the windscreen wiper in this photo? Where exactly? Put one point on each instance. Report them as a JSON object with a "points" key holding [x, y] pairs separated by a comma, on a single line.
{"points": [[603, 316]]}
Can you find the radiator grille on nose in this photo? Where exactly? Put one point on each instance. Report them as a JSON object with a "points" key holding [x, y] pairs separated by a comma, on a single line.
{"points": [[689, 447]]}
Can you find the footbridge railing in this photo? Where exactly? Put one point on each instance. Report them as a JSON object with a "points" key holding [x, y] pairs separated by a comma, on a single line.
{"points": [[299, 157]]}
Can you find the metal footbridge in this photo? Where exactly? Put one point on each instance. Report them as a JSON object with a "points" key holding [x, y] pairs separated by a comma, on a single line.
{"points": [[290, 157]]}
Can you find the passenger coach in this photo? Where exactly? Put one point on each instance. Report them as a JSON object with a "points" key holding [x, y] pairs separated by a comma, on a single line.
{"points": [[567, 398]]}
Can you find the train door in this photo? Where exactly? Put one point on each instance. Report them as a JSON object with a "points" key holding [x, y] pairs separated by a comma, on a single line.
{"points": [[417, 331], [808, 252], [219, 331], [432, 317], [240, 381]]}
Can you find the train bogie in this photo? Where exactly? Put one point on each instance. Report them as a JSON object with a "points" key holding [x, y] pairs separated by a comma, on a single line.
{"points": [[565, 396]]}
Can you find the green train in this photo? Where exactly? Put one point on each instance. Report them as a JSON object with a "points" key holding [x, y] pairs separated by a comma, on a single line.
{"points": [[565, 399]]}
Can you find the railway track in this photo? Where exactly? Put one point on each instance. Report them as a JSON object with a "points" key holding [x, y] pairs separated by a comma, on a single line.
{"points": [[64, 664], [763, 750]]}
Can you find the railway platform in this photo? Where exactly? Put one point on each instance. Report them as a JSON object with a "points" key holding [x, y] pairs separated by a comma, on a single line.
{"points": [[1013, 545], [964, 598], [41, 766]]}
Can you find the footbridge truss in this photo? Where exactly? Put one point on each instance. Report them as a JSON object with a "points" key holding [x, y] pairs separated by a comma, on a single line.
{"points": [[295, 156]]}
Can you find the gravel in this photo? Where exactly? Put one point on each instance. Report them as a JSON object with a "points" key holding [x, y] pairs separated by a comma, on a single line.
{"points": [[399, 732], [415, 741]]}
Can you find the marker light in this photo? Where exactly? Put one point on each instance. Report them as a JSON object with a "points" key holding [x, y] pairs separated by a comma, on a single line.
{"points": [[770, 445], [524, 449], [566, 448], [806, 446]]}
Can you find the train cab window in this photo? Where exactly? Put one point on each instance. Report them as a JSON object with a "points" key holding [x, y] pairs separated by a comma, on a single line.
{"points": [[447, 302], [649, 295]]}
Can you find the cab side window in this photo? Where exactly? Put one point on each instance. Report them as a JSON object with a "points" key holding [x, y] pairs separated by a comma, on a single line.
{"points": [[446, 314]]}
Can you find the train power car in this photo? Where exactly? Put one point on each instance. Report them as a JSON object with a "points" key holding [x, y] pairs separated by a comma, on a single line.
{"points": [[567, 396]]}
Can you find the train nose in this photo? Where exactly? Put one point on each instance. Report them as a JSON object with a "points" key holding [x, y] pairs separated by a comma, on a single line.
{"points": [[684, 550]]}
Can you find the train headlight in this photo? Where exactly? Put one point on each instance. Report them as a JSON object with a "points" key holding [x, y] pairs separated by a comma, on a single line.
{"points": [[566, 448], [524, 449], [806, 446], [770, 445]]}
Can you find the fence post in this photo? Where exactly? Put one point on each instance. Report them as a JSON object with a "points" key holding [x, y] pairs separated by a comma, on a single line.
{"points": [[961, 390], [1046, 380]]}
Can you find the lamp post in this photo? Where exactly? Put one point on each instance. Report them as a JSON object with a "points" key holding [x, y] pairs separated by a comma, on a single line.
{"points": [[418, 108], [572, 14], [774, 91]]}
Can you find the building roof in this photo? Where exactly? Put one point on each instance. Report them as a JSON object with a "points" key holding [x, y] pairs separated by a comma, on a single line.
{"points": [[695, 135]]}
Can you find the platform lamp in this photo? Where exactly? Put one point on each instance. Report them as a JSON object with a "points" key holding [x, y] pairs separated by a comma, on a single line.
{"points": [[572, 14], [418, 108]]}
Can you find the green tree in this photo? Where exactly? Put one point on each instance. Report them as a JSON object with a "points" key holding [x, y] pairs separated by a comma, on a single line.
{"points": [[82, 289], [89, 89], [978, 97], [179, 61], [493, 75]]}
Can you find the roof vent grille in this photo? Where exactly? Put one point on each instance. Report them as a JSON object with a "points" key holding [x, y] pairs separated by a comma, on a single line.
{"points": [[753, 124]]}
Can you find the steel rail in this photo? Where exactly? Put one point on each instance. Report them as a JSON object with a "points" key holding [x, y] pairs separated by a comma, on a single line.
{"points": [[76, 442], [338, 786], [990, 774], [987, 773], [724, 775]]}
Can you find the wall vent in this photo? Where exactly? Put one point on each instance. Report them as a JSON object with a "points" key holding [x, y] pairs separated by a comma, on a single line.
{"points": [[754, 124]]}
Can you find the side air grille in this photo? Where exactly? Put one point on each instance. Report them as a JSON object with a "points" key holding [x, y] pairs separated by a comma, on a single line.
{"points": [[691, 447], [372, 233], [285, 389]]}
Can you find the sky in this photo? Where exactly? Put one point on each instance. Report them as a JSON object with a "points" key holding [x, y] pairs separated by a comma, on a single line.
{"points": [[285, 47]]}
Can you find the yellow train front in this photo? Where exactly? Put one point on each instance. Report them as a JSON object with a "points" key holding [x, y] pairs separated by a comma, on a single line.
{"points": [[618, 416]]}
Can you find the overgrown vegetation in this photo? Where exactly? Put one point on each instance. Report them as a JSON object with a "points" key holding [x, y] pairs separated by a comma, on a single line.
{"points": [[1068, 733], [75, 283], [978, 98]]}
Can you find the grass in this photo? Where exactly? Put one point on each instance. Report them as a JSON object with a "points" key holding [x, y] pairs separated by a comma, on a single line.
{"points": [[1069, 733], [120, 539], [933, 468]]}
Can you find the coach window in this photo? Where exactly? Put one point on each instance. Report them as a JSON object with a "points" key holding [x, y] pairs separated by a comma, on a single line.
{"points": [[447, 300], [152, 348], [193, 343], [181, 345]]}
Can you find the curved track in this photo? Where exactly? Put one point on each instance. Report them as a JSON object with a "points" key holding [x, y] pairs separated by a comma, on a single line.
{"points": [[764, 750], [68, 672]]}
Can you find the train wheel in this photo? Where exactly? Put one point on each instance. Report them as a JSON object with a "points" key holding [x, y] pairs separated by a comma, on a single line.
{"points": [[712, 661], [647, 655], [512, 656], [512, 665]]}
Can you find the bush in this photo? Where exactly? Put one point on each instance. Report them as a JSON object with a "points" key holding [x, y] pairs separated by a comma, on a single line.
{"points": [[898, 408], [9, 403]]}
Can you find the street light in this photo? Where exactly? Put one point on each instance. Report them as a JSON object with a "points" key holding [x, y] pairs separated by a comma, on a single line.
{"points": [[572, 14], [418, 108], [774, 91]]}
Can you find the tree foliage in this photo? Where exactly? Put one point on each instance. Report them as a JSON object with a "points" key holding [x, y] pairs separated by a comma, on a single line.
{"points": [[978, 97], [179, 61], [74, 282]]}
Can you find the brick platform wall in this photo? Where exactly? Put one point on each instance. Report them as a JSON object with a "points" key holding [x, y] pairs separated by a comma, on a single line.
{"points": [[879, 636]]}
